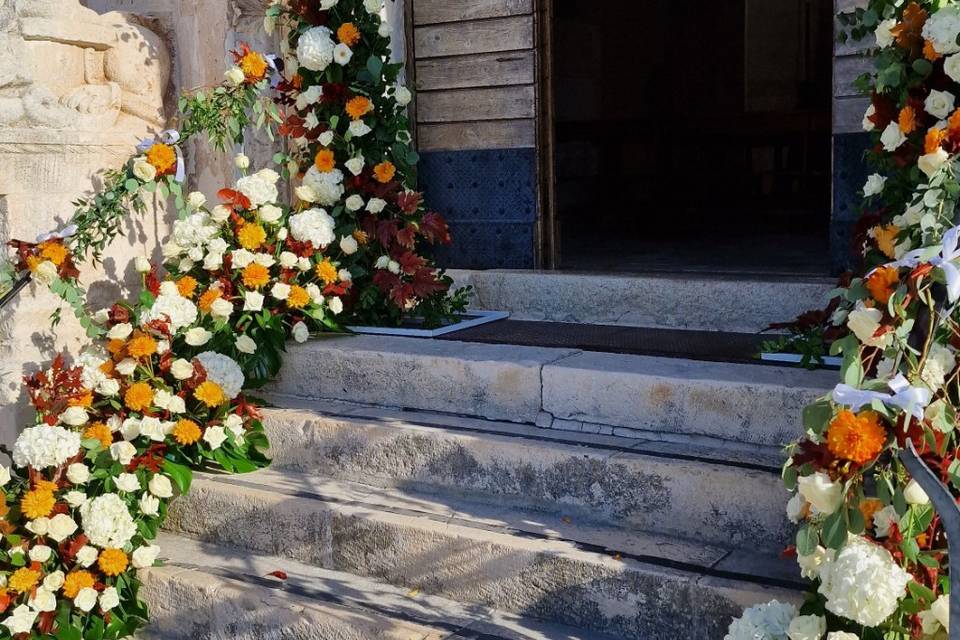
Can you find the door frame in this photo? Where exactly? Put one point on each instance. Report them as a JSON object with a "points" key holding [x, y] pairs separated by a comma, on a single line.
{"points": [[547, 232]]}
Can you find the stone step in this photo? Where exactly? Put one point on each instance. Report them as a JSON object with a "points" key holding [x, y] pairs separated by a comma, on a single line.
{"points": [[631, 585], [730, 496], [618, 394], [210, 592], [687, 301]]}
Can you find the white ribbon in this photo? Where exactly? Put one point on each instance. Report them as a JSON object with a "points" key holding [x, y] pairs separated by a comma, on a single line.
{"points": [[912, 400], [168, 137], [949, 251], [57, 235]]}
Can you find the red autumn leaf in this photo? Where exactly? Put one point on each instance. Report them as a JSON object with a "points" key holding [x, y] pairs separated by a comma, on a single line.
{"points": [[434, 228], [402, 294], [426, 283], [410, 262], [153, 281], [407, 236], [386, 281], [387, 232], [234, 199], [409, 201]]}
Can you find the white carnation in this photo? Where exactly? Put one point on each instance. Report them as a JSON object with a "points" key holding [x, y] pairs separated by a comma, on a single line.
{"points": [[763, 622], [107, 522], [315, 49], [42, 447], [224, 371], [314, 226]]}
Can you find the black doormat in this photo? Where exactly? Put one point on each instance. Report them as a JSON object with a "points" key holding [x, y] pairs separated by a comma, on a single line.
{"points": [[713, 346]]}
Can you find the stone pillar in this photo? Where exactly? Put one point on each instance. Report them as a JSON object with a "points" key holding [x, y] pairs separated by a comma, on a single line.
{"points": [[80, 93]]}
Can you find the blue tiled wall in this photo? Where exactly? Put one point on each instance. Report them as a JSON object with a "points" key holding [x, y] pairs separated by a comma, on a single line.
{"points": [[849, 173], [489, 197]]}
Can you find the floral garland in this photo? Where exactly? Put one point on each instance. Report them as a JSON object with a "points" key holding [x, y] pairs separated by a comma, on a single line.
{"points": [[868, 536]]}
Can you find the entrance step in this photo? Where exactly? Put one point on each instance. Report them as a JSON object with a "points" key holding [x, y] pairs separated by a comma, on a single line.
{"points": [[729, 496], [616, 394], [687, 301], [210, 592], [627, 584]]}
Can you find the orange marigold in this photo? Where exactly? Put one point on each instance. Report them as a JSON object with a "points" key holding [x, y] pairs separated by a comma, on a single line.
{"points": [[45, 485], [141, 346], [348, 34], [254, 66], [77, 581], [907, 120], [953, 123], [856, 437], [325, 161], [207, 299], [358, 106], [929, 52], [54, 251], [163, 158], [210, 394], [869, 508], [186, 432], [112, 562], [327, 272], [361, 236], [23, 580], [99, 431], [886, 239], [933, 139], [251, 236], [298, 297], [882, 283], [384, 172], [37, 503], [116, 346], [256, 276], [138, 397], [84, 399], [187, 286]]}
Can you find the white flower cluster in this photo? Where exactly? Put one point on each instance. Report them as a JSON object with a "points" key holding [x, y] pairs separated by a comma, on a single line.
{"points": [[768, 621], [224, 371], [171, 306], [260, 188], [315, 49], [41, 447], [314, 226], [107, 521], [191, 236], [942, 28], [327, 187], [863, 583]]}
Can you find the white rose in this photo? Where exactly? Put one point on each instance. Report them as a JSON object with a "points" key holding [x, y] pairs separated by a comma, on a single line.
{"points": [[280, 291], [128, 482], [913, 493], [61, 527], [874, 185], [234, 424], [393, 267], [181, 369], [354, 203], [4, 476], [130, 429], [78, 473], [235, 76], [951, 66], [883, 33], [141, 264], [127, 366], [120, 331], [864, 322], [74, 416], [245, 344], [213, 261], [345, 275], [288, 260], [342, 54], [109, 598], [376, 205], [149, 505], [198, 336], [143, 170], [87, 556], [359, 128], [807, 628], [315, 293], [160, 486], [336, 306], [300, 332], [349, 245], [44, 600], [20, 620], [122, 452], [102, 316], [867, 122], [403, 96], [241, 161], [384, 30], [306, 193], [304, 264], [270, 214], [54, 581], [939, 103], [196, 200], [821, 492], [86, 599], [214, 436], [75, 498], [220, 213], [40, 526], [930, 163], [40, 553], [355, 165], [145, 556], [892, 137], [252, 301], [308, 97], [373, 6], [221, 309], [108, 387]]}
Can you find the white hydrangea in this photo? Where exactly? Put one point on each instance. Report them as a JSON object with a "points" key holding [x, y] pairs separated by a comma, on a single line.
{"points": [[327, 186], [941, 30], [224, 371], [863, 583], [41, 447], [191, 235], [314, 226], [763, 622], [940, 361], [315, 49], [260, 188], [107, 521], [180, 311]]}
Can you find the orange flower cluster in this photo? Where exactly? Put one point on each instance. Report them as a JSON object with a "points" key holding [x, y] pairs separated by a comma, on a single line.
{"points": [[856, 437]]}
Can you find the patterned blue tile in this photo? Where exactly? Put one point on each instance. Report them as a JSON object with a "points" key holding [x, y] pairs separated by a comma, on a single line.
{"points": [[850, 171]]}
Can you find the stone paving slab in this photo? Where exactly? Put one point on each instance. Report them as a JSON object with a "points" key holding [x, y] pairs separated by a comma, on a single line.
{"points": [[686, 301], [439, 551]]}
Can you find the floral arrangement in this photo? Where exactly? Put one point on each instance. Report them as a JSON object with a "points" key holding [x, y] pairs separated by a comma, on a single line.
{"points": [[349, 149], [869, 537]]}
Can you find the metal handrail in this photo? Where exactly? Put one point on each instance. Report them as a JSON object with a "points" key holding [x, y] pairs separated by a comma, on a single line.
{"points": [[18, 286]]}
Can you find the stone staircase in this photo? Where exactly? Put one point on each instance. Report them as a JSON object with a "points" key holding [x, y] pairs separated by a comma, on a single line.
{"points": [[441, 489]]}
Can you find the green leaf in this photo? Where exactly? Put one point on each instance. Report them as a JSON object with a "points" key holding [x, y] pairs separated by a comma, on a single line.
{"points": [[835, 530], [916, 520], [922, 66], [817, 416], [181, 475], [375, 67], [807, 540]]}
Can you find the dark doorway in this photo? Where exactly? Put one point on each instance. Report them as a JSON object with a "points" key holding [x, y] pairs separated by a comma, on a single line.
{"points": [[693, 136]]}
